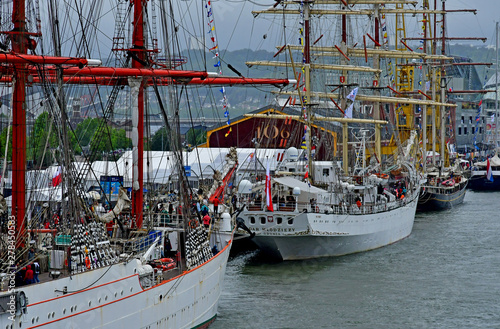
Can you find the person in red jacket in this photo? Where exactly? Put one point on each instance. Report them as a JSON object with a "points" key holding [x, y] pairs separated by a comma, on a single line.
{"points": [[206, 221], [216, 206], [28, 276]]}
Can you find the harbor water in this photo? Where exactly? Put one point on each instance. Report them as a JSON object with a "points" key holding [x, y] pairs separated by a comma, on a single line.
{"points": [[446, 274]]}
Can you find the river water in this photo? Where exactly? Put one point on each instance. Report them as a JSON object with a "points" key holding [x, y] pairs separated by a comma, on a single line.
{"points": [[446, 274]]}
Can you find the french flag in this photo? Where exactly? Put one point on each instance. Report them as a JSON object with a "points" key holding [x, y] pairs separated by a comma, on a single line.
{"points": [[489, 173], [57, 177], [269, 197]]}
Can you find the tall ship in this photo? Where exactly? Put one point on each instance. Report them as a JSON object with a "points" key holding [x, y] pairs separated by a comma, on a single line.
{"points": [[485, 175], [446, 179], [313, 206], [68, 261]]}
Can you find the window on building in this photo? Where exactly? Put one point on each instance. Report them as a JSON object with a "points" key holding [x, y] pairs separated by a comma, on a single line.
{"points": [[460, 130], [463, 119], [480, 130], [465, 130], [470, 119]]}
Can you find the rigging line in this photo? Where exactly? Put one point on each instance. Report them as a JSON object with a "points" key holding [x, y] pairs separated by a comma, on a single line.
{"points": [[97, 280], [194, 136], [4, 166], [85, 24]]}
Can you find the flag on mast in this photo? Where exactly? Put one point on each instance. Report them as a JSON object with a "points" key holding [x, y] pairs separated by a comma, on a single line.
{"points": [[269, 197], [352, 95], [489, 173], [57, 177]]}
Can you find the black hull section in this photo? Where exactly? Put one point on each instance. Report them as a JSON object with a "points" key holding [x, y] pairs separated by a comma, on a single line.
{"points": [[480, 183], [433, 201]]}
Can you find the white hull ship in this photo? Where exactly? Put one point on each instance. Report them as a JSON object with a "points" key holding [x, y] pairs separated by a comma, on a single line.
{"points": [[116, 296], [334, 225], [299, 234], [351, 214]]}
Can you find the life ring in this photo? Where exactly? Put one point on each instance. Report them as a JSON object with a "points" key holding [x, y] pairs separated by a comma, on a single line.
{"points": [[87, 262], [164, 264], [448, 182], [382, 175]]}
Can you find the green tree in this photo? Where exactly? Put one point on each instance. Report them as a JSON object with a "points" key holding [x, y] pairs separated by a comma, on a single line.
{"points": [[3, 142], [93, 133], [161, 140], [39, 137], [196, 136], [85, 131], [108, 139]]}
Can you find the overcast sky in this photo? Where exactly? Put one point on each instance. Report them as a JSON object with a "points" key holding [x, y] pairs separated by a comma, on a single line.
{"points": [[236, 14]]}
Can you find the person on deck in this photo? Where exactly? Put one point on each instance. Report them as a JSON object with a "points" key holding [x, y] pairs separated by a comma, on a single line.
{"points": [[167, 246], [109, 228], [28, 276], [36, 271], [31, 253], [206, 221], [216, 206], [204, 210], [358, 202]]}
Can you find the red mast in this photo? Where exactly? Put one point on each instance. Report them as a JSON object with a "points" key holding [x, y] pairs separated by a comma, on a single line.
{"points": [[76, 70], [138, 60], [19, 123]]}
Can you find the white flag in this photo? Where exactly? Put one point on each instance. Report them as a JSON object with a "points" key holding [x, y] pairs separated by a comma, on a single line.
{"points": [[492, 118], [348, 112], [352, 94], [269, 195]]}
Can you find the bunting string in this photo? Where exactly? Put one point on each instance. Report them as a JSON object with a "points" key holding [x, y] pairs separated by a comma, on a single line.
{"points": [[215, 50]]}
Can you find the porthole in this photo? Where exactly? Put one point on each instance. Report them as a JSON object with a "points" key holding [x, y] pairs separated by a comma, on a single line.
{"points": [[252, 220], [263, 220]]}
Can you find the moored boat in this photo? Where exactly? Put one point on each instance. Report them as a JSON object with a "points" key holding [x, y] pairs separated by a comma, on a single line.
{"points": [[485, 175], [442, 194]]}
